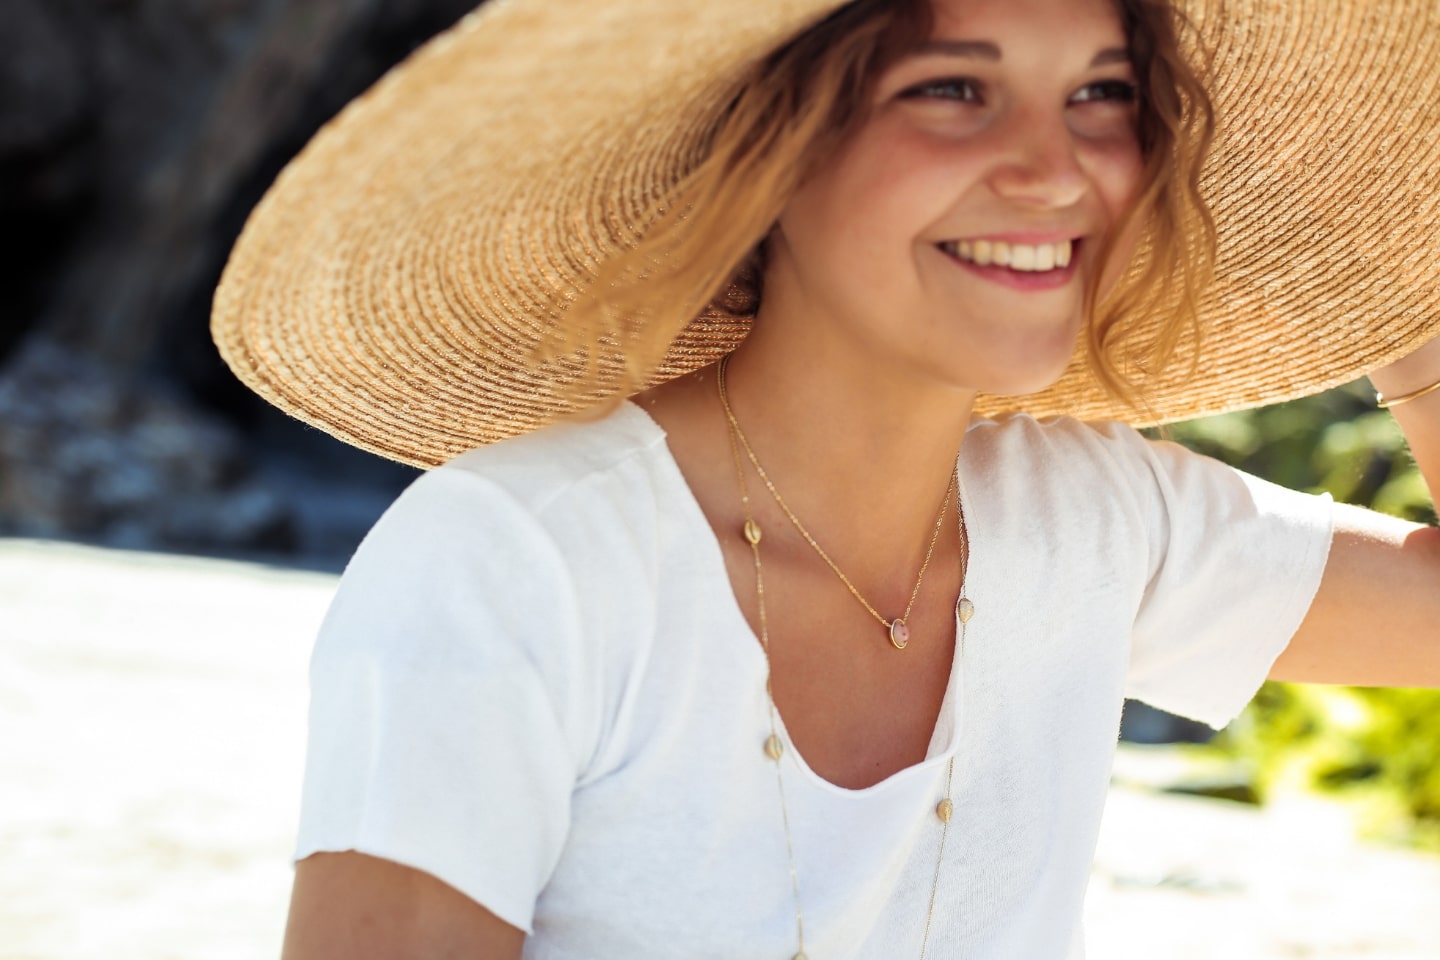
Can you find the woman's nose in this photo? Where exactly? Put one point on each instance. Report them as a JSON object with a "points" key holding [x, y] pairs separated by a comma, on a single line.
{"points": [[1038, 165]]}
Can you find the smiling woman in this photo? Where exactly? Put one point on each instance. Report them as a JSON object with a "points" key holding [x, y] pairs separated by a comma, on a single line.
{"points": [[884, 57], [763, 599]]}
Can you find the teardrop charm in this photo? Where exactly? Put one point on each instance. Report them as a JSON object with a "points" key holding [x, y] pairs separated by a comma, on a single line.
{"points": [[899, 633], [752, 532], [964, 609], [945, 810], [773, 747]]}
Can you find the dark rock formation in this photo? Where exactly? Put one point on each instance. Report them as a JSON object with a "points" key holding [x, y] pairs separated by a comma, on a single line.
{"points": [[135, 135], [87, 455]]}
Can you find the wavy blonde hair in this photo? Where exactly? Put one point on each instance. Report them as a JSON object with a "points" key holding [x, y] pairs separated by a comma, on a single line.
{"points": [[705, 251]]}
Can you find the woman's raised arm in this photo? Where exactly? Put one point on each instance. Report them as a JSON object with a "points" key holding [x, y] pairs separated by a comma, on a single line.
{"points": [[1376, 618], [1418, 418], [349, 906]]}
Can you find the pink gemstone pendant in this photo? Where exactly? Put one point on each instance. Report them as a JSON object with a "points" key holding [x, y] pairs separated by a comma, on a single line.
{"points": [[899, 633]]}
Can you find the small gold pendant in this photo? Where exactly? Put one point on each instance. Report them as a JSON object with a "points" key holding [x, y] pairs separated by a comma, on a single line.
{"points": [[773, 747], [752, 532], [964, 609], [944, 810], [899, 633]]}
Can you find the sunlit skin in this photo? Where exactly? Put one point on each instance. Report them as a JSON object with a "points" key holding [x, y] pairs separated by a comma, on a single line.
{"points": [[855, 388]]}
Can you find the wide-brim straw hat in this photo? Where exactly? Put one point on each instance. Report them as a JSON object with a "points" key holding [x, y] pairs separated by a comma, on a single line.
{"points": [[390, 286]]}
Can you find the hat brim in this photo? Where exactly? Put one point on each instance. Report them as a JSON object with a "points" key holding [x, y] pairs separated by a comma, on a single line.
{"points": [[390, 286]]}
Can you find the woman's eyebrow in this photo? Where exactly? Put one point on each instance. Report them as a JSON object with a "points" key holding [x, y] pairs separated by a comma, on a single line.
{"points": [[976, 49], [985, 50], [1111, 55]]}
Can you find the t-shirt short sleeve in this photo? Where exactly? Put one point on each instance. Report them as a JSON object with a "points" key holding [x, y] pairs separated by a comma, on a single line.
{"points": [[447, 697], [1234, 563]]}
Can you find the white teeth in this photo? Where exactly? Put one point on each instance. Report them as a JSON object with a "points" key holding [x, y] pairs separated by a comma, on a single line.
{"points": [[1024, 257]]}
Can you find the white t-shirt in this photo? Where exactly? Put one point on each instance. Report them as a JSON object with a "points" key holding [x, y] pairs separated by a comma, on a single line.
{"points": [[535, 683]]}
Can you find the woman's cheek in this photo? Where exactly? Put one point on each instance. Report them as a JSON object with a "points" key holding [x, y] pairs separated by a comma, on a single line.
{"points": [[1119, 168]]}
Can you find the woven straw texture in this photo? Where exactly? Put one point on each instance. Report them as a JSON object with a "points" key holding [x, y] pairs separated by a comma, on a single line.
{"points": [[389, 286]]}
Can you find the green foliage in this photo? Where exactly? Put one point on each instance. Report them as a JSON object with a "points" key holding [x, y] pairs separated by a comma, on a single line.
{"points": [[1377, 749], [1335, 442]]}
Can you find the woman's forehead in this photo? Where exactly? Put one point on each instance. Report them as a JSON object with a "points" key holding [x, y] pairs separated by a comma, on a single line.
{"points": [[1080, 21]]}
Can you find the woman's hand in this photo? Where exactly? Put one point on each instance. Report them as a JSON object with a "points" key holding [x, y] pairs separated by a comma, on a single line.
{"points": [[1376, 618]]}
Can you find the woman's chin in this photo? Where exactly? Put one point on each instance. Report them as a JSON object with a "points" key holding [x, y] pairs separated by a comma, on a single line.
{"points": [[1020, 387], [1020, 356], [1031, 373]]}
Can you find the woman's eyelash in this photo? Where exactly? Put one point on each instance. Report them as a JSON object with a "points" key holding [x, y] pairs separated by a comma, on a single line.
{"points": [[1121, 90], [968, 90], [952, 88]]}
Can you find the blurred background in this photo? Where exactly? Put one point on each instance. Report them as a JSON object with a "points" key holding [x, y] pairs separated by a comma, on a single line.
{"points": [[168, 543]]}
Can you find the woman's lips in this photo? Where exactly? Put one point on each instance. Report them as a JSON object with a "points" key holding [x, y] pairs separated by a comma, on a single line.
{"points": [[1022, 279]]}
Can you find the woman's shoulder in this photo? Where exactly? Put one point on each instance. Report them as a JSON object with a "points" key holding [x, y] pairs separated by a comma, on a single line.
{"points": [[544, 505], [565, 461], [504, 539], [1021, 445], [1061, 472]]}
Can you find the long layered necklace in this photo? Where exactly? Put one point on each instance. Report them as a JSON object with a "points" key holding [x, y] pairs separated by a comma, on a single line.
{"points": [[898, 627], [774, 748]]}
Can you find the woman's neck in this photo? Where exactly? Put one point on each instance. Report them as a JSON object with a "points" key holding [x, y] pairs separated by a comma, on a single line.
{"points": [[861, 449]]}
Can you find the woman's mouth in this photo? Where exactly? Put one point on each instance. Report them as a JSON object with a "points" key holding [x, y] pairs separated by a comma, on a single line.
{"points": [[1025, 266]]}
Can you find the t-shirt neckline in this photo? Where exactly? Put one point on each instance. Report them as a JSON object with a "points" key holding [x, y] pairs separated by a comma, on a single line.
{"points": [[947, 722]]}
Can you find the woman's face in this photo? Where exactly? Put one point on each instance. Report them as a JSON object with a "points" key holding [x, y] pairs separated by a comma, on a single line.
{"points": [[1009, 136]]}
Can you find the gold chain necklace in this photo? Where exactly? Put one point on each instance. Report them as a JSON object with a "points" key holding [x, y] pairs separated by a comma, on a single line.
{"points": [[898, 628], [774, 748]]}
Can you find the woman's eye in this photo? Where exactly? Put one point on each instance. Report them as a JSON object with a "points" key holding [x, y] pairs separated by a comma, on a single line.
{"points": [[1116, 91], [951, 88]]}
